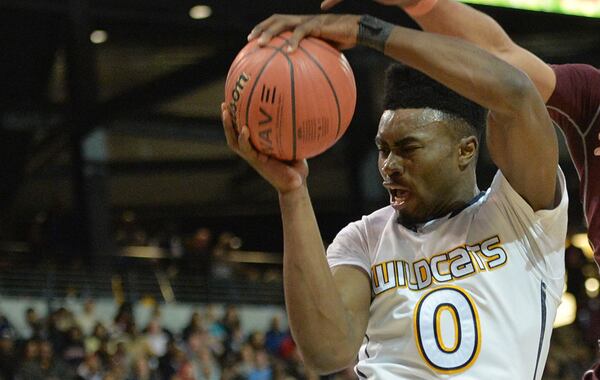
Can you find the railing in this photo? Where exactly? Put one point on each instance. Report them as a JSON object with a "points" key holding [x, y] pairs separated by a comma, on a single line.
{"points": [[133, 278]]}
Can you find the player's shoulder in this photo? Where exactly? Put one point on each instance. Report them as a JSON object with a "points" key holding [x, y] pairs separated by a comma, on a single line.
{"points": [[376, 220], [380, 215], [502, 192]]}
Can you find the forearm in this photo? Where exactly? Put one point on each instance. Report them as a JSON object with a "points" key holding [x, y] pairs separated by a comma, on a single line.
{"points": [[451, 18], [455, 19], [462, 67], [318, 319]]}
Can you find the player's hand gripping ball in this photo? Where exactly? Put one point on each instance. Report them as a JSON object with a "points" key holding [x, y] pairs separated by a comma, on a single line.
{"points": [[295, 105]]}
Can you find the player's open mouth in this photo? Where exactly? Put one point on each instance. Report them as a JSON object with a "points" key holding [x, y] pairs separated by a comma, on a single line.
{"points": [[398, 198]]}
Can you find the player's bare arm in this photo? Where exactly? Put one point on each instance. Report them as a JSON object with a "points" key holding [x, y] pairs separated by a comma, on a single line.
{"points": [[328, 312], [451, 18], [518, 115]]}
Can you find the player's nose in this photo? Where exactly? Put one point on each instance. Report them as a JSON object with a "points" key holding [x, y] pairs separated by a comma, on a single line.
{"points": [[392, 165]]}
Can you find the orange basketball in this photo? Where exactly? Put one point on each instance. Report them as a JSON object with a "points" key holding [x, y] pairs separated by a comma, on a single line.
{"points": [[296, 105]]}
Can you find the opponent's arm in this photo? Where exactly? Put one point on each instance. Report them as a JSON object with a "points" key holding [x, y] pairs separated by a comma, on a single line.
{"points": [[451, 18], [327, 311], [455, 19], [518, 116]]}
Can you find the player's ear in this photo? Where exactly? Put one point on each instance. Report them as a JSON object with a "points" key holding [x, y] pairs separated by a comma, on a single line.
{"points": [[467, 151]]}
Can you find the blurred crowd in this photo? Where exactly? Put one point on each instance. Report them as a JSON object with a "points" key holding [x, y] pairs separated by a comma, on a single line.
{"points": [[75, 345], [67, 345]]}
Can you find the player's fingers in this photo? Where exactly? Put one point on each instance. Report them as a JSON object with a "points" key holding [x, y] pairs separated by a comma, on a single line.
{"points": [[246, 148], [597, 152], [328, 4], [262, 157], [308, 28], [230, 134], [261, 26], [273, 30]]}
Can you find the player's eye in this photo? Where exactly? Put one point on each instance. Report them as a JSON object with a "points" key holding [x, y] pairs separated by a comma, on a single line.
{"points": [[410, 148], [383, 150]]}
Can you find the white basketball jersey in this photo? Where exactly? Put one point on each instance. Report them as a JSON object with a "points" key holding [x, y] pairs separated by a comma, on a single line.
{"points": [[470, 296]]}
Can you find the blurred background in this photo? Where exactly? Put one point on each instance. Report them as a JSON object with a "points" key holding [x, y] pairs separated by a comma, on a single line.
{"points": [[135, 245]]}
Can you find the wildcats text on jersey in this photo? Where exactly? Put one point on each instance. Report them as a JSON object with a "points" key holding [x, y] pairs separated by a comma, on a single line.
{"points": [[457, 263]]}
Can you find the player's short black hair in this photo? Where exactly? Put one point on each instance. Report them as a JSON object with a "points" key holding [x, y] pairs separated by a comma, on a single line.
{"points": [[409, 88]]}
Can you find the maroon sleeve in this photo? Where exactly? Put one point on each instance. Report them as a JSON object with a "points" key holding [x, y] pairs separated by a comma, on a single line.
{"points": [[576, 94], [575, 107]]}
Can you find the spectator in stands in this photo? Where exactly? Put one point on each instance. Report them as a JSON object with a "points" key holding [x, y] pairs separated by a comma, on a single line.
{"points": [[198, 253], [90, 368], [140, 370], [196, 324], [123, 321], [186, 372], [73, 351], [205, 365], [119, 361], [156, 338], [234, 342], [262, 369], [99, 335], [59, 322], [170, 363], [274, 336], [8, 357], [33, 325], [103, 353], [215, 327], [29, 360], [87, 318], [221, 268], [129, 231], [52, 366], [245, 364], [257, 340], [231, 319], [42, 364]]}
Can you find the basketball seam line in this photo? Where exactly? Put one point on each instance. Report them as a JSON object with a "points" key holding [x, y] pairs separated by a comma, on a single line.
{"points": [[337, 103], [277, 50]]}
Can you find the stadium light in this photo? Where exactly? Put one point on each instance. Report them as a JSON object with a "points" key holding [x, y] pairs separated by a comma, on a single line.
{"points": [[200, 12], [98, 36], [567, 311], [592, 287]]}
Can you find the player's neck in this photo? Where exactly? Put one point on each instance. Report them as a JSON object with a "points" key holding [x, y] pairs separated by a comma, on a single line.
{"points": [[451, 208]]}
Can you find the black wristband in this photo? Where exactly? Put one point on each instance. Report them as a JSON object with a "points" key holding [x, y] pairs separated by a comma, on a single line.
{"points": [[373, 32]]}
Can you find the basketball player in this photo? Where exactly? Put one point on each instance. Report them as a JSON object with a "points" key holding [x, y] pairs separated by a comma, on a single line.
{"points": [[571, 92], [446, 280]]}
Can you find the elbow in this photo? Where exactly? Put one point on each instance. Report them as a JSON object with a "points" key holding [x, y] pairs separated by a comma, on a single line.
{"points": [[519, 91]]}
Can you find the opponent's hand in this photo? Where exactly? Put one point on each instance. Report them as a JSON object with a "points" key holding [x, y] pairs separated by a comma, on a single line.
{"points": [[597, 150], [339, 30], [284, 177], [328, 4]]}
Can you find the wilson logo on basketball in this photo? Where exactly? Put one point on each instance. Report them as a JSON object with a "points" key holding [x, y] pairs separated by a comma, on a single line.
{"points": [[236, 94]]}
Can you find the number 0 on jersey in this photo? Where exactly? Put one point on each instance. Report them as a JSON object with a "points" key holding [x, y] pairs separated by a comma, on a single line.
{"points": [[447, 329]]}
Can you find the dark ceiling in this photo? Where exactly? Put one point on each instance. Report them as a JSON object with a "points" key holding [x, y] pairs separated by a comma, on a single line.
{"points": [[132, 123]]}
